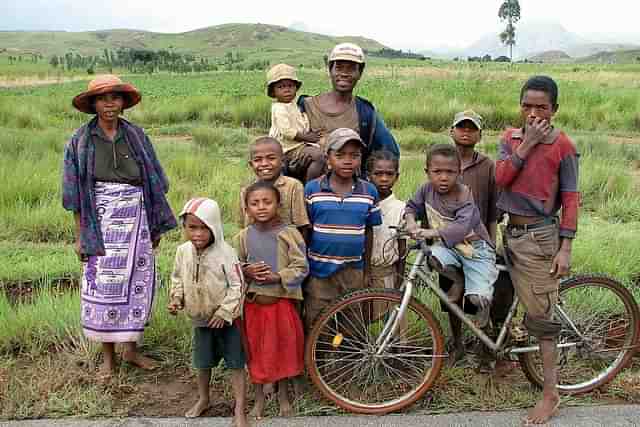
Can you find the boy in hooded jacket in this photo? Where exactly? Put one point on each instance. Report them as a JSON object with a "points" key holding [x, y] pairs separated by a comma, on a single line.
{"points": [[207, 283]]}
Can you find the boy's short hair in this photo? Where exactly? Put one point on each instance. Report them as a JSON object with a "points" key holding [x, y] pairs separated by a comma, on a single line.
{"points": [[544, 84], [444, 150], [264, 140], [383, 155], [260, 185]]}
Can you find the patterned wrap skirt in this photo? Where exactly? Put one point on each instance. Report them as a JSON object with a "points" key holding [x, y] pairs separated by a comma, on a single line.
{"points": [[118, 288]]}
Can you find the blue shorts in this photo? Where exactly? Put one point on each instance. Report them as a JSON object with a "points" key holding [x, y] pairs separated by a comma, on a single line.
{"points": [[212, 345], [480, 272]]}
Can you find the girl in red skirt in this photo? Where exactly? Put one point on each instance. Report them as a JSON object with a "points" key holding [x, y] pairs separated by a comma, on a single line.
{"points": [[275, 264]]}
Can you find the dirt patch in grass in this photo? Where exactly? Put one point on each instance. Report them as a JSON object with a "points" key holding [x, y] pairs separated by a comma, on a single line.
{"points": [[36, 81], [26, 291]]}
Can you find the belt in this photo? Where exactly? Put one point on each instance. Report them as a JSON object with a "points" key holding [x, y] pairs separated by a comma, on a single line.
{"points": [[551, 220]]}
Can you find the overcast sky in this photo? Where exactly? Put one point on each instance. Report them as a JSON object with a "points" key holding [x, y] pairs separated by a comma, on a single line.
{"points": [[408, 24]]}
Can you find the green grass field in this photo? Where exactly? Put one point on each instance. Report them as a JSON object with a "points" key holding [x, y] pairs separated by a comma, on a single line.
{"points": [[201, 125]]}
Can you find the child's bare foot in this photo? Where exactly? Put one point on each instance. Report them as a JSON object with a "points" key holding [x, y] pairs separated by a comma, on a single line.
{"points": [[198, 409], [140, 361], [286, 410], [257, 412], [258, 409], [543, 411], [283, 399], [456, 354], [240, 420]]}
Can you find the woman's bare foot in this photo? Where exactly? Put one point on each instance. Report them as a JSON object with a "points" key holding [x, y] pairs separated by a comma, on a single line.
{"points": [[543, 411], [140, 361], [106, 370], [198, 409]]}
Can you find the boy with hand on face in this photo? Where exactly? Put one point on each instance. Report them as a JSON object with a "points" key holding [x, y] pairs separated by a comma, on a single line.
{"points": [[537, 173], [342, 209]]}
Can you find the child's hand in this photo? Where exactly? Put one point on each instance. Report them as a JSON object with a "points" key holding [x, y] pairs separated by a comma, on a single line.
{"points": [[311, 136], [174, 306], [537, 130], [425, 234], [77, 249], [216, 322], [270, 277], [256, 271]]}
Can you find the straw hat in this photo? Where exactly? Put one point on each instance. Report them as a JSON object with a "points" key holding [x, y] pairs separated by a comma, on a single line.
{"points": [[105, 84], [281, 72]]}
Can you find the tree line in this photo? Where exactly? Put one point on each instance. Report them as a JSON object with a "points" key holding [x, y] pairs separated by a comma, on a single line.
{"points": [[151, 61]]}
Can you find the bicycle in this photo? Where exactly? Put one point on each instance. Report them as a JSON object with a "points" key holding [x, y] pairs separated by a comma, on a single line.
{"points": [[376, 351]]}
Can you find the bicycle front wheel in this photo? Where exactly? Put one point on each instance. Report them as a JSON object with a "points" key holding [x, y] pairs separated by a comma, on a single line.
{"points": [[342, 352], [601, 340]]}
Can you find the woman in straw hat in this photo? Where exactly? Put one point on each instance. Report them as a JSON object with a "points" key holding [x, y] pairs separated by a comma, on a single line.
{"points": [[115, 187]]}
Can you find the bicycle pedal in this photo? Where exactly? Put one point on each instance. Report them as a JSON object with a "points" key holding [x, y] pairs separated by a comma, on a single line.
{"points": [[519, 333]]}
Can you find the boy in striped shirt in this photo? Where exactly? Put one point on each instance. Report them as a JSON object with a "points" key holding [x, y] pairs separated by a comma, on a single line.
{"points": [[342, 211]]}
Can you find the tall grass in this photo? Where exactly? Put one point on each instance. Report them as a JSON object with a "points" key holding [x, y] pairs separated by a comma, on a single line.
{"points": [[425, 97]]}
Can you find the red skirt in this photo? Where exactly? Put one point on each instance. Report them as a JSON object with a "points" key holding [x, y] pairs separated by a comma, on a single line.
{"points": [[275, 340]]}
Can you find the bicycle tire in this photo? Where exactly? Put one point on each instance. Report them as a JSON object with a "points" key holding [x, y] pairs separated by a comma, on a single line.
{"points": [[604, 311], [340, 379]]}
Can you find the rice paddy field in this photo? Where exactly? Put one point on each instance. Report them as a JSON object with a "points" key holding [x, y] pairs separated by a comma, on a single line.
{"points": [[201, 126]]}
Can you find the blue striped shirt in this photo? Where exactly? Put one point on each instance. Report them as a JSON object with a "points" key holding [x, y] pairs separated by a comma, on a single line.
{"points": [[338, 224]]}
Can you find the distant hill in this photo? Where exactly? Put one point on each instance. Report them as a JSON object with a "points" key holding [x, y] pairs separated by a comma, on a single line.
{"points": [[538, 37], [617, 57], [259, 39], [550, 56], [532, 37]]}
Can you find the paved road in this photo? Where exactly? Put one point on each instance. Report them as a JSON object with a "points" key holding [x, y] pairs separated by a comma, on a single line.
{"points": [[614, 415]]}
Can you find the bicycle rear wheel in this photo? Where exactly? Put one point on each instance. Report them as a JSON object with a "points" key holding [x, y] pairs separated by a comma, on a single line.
{"points": [[341, 352], [606, 315]]}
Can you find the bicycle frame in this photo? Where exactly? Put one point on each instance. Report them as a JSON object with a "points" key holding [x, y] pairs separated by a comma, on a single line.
{"points": [[420, 268]]}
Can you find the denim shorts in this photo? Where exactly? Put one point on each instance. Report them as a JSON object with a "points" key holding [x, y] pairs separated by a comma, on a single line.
{"points": [[210, 346], [480, 272]]}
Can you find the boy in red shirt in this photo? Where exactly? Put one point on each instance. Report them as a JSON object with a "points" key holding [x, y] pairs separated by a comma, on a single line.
{"points": [[537, 172]]}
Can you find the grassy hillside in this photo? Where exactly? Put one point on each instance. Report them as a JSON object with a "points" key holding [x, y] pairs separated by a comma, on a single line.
{"points": [[629, 56], [255, 40]]}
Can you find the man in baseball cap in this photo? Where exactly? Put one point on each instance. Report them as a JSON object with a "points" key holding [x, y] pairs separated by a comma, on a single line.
{"points": [[339, 108]]}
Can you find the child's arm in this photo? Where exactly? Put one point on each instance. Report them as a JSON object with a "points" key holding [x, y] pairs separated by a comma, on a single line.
{"points": [[415, 210], [176, 293], [292, 256], [230, 306], [570, 198]]}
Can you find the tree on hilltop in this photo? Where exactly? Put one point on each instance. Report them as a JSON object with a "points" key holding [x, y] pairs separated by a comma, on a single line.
{"points": [[510, 12]]}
